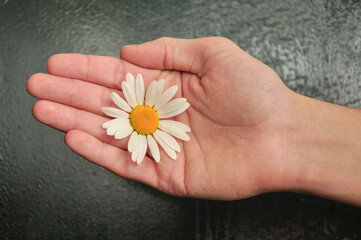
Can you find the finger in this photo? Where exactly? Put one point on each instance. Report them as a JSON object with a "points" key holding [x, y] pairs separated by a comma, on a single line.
{"points": [[175, 54], [76, 93], [111, 158], [65, 118], [102, 70]]}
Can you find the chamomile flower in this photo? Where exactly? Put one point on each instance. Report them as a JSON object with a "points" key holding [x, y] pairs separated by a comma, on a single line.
{"points": [[142, 116]]}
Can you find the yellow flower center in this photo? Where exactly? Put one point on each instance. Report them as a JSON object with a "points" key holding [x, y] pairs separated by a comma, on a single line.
{"points": [[144, 119]]}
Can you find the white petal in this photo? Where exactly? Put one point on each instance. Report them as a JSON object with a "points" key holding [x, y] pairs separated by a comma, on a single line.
{"points": [[184, 107], [153, 148], [173, 130], [131, 83], [168, 139], [135, 152], [129, 95], [124, 131], [142, 148], [114, 112], [136, 147], [172, 106], [123, 123], [175, 124], [132, 141], [113, 129], [114, 122], [158, 90], [171, 153], [166, 96], [120, 102], [149, 97], [139, 89], [130, 80]]}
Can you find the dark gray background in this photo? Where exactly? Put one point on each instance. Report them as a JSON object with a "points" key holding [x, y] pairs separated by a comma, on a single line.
{"points": [[48, 192]]}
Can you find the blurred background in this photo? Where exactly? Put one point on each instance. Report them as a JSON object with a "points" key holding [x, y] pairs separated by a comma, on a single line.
{"points": [[49, 192]]}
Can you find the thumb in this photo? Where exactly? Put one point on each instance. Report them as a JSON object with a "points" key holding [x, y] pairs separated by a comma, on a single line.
{"points": [[174, 54]]}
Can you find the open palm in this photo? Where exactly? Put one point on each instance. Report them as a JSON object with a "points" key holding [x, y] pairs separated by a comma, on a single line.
{"points": [[237, 106]]}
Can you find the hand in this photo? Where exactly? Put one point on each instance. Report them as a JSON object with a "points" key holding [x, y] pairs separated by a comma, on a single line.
{"points": [[240, 115]]}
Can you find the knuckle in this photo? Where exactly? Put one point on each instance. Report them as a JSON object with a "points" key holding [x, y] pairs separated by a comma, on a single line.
{"points": [[165, 39], [220, 41]]}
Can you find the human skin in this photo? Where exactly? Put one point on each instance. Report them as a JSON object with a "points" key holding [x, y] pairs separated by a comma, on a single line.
{"points": [[250, 133]]}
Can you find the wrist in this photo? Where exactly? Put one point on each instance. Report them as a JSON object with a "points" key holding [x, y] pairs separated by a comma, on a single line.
{"points": [[325, 148]]}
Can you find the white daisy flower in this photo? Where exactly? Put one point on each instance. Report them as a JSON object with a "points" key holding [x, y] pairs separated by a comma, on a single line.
{"points": [[141, 117]]}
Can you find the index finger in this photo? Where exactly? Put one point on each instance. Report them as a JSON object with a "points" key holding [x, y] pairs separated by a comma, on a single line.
{"points": [[102, 70]]}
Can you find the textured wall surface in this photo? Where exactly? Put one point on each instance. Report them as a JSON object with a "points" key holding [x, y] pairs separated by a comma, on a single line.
{"points": [[48, 192]]}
